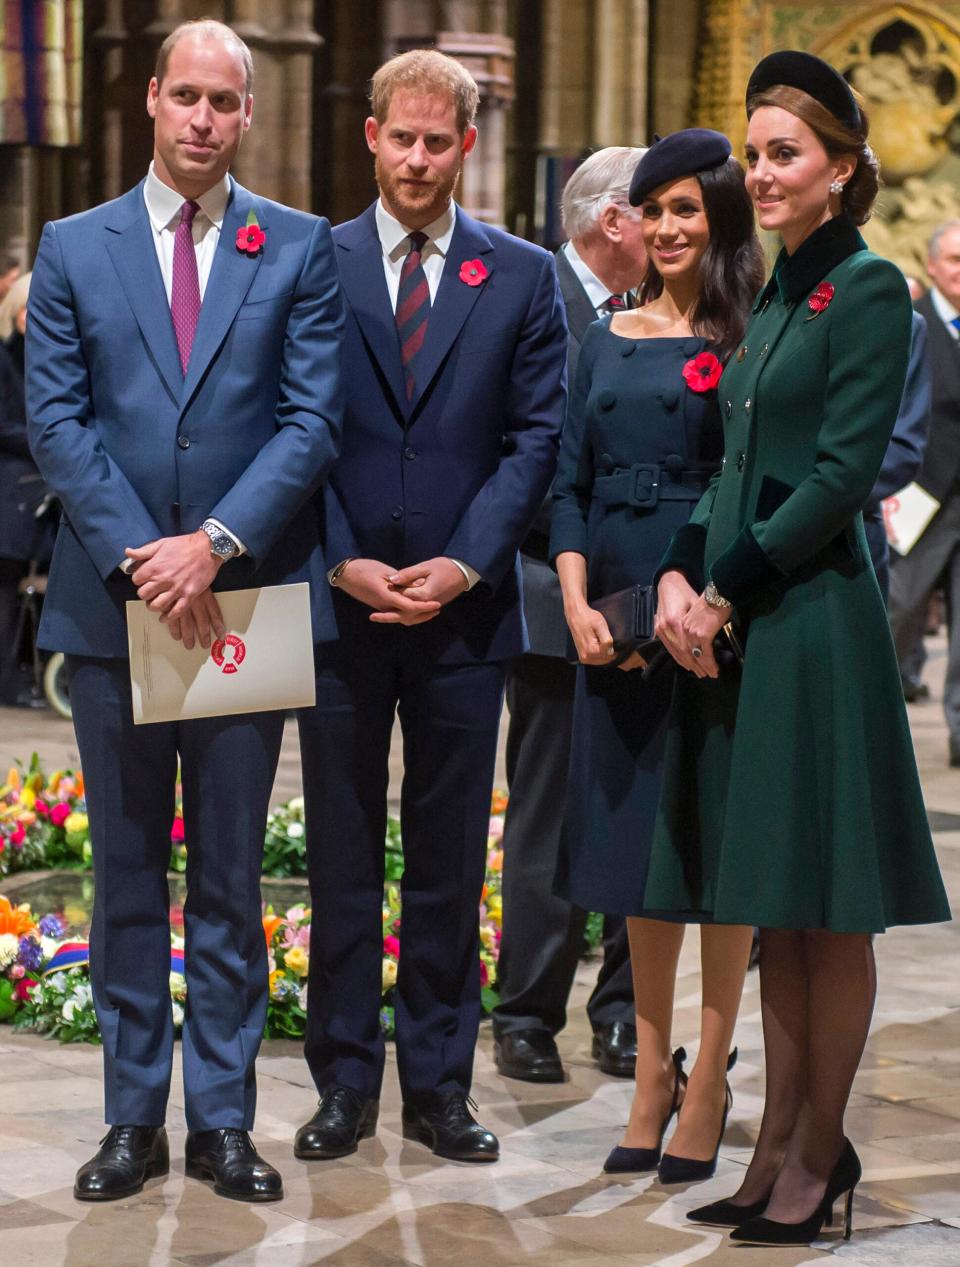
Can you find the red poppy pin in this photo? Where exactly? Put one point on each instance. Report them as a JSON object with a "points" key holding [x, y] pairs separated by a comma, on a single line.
{"points": [[702, 372], [473, 272], [250, 238], [819, 301]]}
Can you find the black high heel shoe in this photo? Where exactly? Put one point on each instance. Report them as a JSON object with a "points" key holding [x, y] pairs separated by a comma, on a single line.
{"points": [[727, 1214], [626, 1160], [844, 1178], [688, 1169]]}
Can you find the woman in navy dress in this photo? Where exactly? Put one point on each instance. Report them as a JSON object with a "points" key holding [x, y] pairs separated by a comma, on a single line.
{"points": [[643, 436]]}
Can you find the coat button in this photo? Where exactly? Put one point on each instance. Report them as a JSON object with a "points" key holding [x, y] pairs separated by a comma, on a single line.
{"points": [[741, 461], [763, 350], [397, 512], [183, 441], [729, 408], [606, 400], [747, 403], [409, 454]]}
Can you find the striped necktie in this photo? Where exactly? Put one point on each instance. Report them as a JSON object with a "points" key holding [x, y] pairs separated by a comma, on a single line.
{"points": [[185, 290], [413, 310]]}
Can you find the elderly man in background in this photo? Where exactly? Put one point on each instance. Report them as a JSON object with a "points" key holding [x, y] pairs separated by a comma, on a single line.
{"points": [[913, 576], [599, 267]]}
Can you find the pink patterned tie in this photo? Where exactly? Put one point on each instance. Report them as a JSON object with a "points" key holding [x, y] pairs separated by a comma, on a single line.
{"points": [[185, 292]]}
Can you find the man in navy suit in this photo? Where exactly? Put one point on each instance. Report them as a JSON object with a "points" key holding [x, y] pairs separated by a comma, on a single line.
{"points": [[454, 371], [184, 402]]}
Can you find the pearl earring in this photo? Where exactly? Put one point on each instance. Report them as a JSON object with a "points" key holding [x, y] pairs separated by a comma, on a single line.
{"points": [[836, 187]]}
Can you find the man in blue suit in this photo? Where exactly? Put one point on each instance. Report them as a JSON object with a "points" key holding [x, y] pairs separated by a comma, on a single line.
{"points": [[455, 372], [184, 402]]}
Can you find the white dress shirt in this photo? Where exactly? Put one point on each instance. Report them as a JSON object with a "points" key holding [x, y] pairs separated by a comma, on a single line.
{"points": [[395, 243], [945, 311], [163, 209], [597, 293]]}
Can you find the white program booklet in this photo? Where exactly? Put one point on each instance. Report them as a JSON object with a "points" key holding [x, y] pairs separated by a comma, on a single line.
{"points": [[906, 515], [264, 662]]}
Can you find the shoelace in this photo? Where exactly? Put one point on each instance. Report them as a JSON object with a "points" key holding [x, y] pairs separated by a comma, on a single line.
{"points": [[455, 1109], [120, 1136]]}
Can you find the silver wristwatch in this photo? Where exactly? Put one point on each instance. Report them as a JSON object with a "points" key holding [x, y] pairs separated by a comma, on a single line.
{"points": [[713, 598], [222, 545]]}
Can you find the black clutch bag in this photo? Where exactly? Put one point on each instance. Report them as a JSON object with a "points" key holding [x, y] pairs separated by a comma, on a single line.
{"points": [[629, 615]]}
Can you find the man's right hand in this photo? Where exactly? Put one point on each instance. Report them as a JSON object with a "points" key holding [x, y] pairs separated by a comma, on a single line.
{"points": [[368, 581]]}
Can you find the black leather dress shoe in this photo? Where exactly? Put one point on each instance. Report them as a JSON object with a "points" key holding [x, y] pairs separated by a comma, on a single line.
{"points": [[615, 1049], [528, 1054], [445, 1124], [128, 1157], [228, 1157], [342, 1118]]}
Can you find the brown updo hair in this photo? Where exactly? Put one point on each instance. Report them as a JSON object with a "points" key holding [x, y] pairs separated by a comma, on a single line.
{"points": [[860, 191]]}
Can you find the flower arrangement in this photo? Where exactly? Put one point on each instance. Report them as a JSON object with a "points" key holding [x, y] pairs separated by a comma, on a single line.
{"points": [[45, 985]]}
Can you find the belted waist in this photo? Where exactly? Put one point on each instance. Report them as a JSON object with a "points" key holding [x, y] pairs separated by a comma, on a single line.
{"points": [[645, 483]]}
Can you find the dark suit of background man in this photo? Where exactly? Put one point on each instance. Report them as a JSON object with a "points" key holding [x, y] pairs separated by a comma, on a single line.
{"points": [[455, 353], [598, 268], [938, 550], [184, 401]]}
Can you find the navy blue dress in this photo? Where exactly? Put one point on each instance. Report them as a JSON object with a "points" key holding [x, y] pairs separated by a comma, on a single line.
{"points": [[638, 448]]}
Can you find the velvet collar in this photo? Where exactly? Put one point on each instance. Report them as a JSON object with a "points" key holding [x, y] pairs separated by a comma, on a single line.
{"points": [[796, 275]]}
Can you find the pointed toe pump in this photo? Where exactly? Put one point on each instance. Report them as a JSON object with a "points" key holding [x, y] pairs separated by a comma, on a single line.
{"points": [[635, 1160], [689, 1169], [843, 1181]]}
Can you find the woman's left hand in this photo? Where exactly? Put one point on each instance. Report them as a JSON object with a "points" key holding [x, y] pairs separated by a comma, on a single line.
{"points": [[701, 625]]}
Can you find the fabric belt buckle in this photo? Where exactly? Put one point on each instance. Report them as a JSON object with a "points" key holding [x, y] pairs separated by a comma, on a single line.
{"points": [[646, 485]]}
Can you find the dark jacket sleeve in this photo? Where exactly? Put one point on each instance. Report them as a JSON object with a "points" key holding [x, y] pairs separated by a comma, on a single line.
{"points": [[573, 486], [909, 440]]}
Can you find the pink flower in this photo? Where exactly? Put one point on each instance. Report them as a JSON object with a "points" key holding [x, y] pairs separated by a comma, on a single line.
{"points": [[60, 813], [19, 834], [391, 946], [22, 988], [42, 808], [484, 974], [17, 971], [473, 272], [702, 373], [176, 831]]}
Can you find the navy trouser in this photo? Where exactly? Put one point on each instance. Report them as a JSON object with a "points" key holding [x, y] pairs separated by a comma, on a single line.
{"points": [[449, 717], [228, 766]]}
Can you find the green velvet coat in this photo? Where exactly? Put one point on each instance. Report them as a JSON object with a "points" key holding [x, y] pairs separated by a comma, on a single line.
{"points": [[791, 799]]}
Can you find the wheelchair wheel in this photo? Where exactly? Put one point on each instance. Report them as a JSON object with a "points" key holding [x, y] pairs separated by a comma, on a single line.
{"points": [[55, 685]]}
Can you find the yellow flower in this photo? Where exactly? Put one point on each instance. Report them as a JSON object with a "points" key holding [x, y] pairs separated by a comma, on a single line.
{"points": [[495, 907], [297, 960], [487, 937], [389, 973], [28, 797], [76, 822], [277, 975]]}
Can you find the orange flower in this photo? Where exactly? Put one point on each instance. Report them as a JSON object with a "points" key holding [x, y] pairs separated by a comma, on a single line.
{"points": [[495, 861], [78, 789], [498, 803], [270, 925], [15, 919], [13, 778]]}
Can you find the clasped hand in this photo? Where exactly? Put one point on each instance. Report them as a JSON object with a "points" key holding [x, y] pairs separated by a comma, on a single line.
{"points": [[686, 620], [410, 596], [173, 576]]}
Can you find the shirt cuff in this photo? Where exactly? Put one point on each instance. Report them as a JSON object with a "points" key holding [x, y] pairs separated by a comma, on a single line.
{"points": [[471, 576], [241, 548], [126, 567]]}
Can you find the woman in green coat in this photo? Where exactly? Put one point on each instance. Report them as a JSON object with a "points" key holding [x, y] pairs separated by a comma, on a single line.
{"points": [[798, 810]]}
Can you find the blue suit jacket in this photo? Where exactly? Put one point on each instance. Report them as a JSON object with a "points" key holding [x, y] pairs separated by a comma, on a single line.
{"points": [[135, 450], [462, 468]]}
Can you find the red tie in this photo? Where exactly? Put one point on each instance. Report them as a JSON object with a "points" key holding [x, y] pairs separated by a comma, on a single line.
{"points": [[185, 292], [413, 309]]}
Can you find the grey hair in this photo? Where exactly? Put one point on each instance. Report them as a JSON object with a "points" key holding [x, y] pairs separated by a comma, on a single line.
{"points": [[933, 248], [602, 178]]}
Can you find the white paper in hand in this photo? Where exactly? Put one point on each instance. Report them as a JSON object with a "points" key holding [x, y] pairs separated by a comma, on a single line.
{"points": [[906, 515], [265, 662]]}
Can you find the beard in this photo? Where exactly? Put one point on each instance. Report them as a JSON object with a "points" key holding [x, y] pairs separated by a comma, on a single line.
{"points": [[407, 201]]}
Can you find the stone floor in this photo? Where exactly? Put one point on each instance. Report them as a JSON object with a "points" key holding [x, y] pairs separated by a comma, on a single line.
{"points": [[547, 1201]]}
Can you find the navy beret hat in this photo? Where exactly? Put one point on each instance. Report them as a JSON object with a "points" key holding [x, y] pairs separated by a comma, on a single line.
{"points": [[679, 154], [811, 75]]}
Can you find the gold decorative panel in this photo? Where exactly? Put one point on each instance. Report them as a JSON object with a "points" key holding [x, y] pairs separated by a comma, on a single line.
{"points": [[904, 59]]}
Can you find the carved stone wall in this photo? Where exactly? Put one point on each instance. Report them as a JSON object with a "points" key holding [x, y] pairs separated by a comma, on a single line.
{"points": [[904, 59]]}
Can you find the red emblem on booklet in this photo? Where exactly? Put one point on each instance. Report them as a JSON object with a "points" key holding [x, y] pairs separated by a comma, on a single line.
{"points": [[702, 372], [821, 297], [473, 272], [228, 653]]}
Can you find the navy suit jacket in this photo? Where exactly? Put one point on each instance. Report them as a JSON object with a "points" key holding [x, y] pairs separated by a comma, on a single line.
{"points": [[462, 468], [135, 450]]}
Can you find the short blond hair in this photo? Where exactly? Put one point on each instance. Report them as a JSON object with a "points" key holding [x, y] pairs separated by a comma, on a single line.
{"points": [[206, 29], [425, 71]]}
